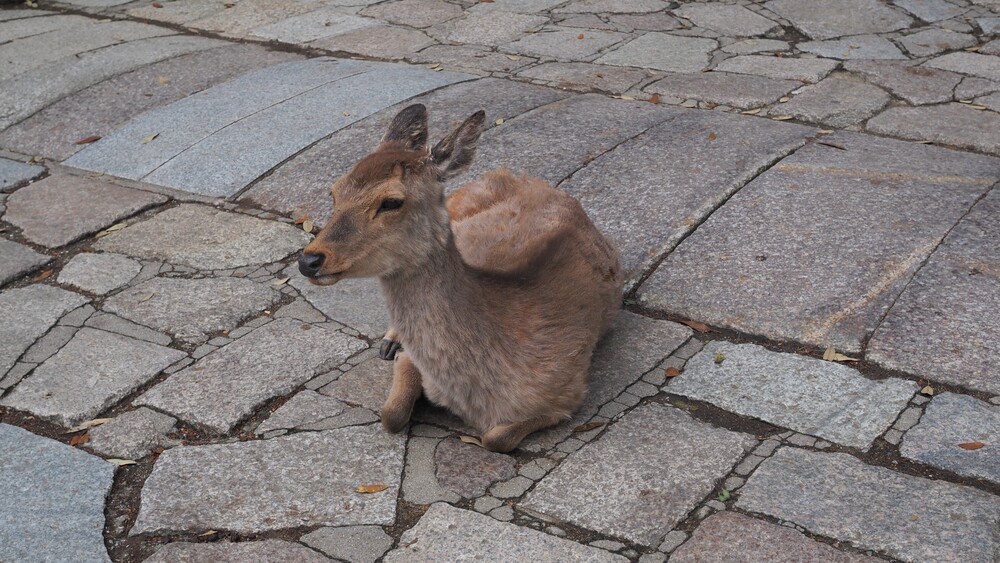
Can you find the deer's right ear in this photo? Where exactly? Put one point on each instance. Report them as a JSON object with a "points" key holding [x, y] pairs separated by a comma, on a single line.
{"points": [[454, 153], [409, 127]]}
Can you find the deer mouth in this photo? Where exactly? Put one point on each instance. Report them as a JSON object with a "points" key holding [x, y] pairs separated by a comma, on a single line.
{"points": [[327, 279]]}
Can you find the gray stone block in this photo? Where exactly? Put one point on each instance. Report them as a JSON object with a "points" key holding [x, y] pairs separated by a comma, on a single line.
{"points": [[976, 64], [420, 484], [838, 496], [492, 28], [825, 20], [311, 26], [948, 124], [586, 76], [357, 303], [356, 544], [27, 313], [46, 346], [662, 51], [378, 41], [916, 84], [445, 533], [724, 88], [805, 70], [933, 41], [756, 45], [615, 6], [727, 19], [637, 481], [856, 47], [49, 486], [224, 551], [305, 407], [468, 469], [133, 434], [948, 421], [17, 259], [99, 273], [836, 101], [565, 43], [416, 13], [930, 10], [13, 173], [238, 20]]}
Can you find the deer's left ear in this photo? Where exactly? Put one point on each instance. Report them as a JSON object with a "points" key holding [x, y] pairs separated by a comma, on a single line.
{"points": [[409, 128], [454, 153]]}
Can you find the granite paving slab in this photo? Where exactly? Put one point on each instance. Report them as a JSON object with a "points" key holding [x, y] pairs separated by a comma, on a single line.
{"points": [[190, 308], [62, 209], [12, 30], [305, 407], [389, 42], [811, 396], [17, 259], [52, 500], [917, 85], [180, 12], [27, 313], [14, 173], [642, 476], [798, 271], [945, 325], [92, 372], [615, 6], [302, 185], [741, 91], [311, 26], [836, 101], [357, 303], [730, 536], [261, 485], [586, 76], [16, 14], [825, 20], [949, 124], [756, 45], [133, 434], [99, 273], [415, 13], [933, 41], [837, 496], [728, 19], [23, 95], [976, 64], [266, 551], [564, 43], [53, 131], [785, 68], [518, 6], [242, 17], [634, 346], [663, 51], [446, 533], [474, 58], [206, 238], [366, 384], [356, 544], [492, 28], [931, 10], [647, 203], [224, 387], [468, 469], [856, 47], [948, 421]]}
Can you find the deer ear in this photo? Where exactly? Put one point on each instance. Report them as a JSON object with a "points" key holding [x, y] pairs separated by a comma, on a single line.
{"points": [[409, 128], [454, 153]]}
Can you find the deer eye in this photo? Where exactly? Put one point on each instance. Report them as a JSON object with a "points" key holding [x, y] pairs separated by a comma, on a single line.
{"points": [[389, 204]]}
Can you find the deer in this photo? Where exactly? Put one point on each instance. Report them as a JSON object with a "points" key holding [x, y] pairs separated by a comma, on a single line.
{"points": [[497, 295]]}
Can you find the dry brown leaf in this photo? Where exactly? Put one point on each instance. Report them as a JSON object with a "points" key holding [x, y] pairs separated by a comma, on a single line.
{"points": [[163, 80], [781, 117], [499, 121], [579, 36], [302, 219], [711, 136], [824, 131], [434, 66], [280, 281], [831, 355], [700, 327], [754, 111], [42, 276], [671, 372], [81, 439], [924, 142], [111, 229], [514, 57], [588, 426], [654, 99], [157, 5], [783, 99], [927, 390], [87, 140], [965, 101], [149, 138], [145, 298], [369, 489], [471, 440], [971, 445], [307, 226], [120, 462], [88, 424], [976, 106], [208, 533]]}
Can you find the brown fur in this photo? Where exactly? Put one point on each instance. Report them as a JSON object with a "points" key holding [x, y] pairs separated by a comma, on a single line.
{"points": [[498, 295]]}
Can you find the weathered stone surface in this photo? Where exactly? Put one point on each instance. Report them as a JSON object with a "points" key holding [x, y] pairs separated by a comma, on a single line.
{"points": [[805, 70], [930, 10], [989, 25], [27, 313], [225, 386], [646, 203], [728, 19], [13, 173], [615, 6], [586, 76], [756, 45], [111, 323], [302, 185], [17, 259], [356, 544], [357, 303], [724, 88], [915, 84], [970, 87], [61, 209], [950, 420], [857, 47], [366, 384], [46, 346], [54, 131], [933, 41], [243, 17], [638, 481], [729, 536], [16, 14], [133, 434], [180, 12], [380, 41], [445, 533], [420, 485], [837, 101], [305, 407], [471, 57], [91, 373], [492, 28], [815, 397], [49, 487], [468, 469], [991, 102], [266, 551], [205, 238], [949, 124], [837, 496], [325, 22], [564, 43], [824, 20], [189, 308], [983, 66], [945, 325], [790, 220], [645, 22], [99, 273], [414, 13], [662, 51], [273, 484], [519, 6]]}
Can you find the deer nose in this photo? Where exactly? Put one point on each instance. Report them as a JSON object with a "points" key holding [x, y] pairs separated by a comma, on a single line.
{"points": [[309, 264]]}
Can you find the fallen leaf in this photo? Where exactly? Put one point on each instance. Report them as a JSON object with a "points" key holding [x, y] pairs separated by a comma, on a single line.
{"points": [[88, 424], [302, 219], [434, 66], [924, 142], [671, 372], [627, 98], [514, 57], [44, 275], [111, 229], [781, 117], [965, 101], [149, 138], [826, 144], [831, 355], [471, 440], [700, 327], [280, 282], [783, 99], [654, 99], [971, 445], [972, 49], [824, 131], [711, 136], [914, 518], [976, 106], [208, 533], [163, 80], [719, 357], [579, 36], [724, 495], [754, 111], [499, 121], [307, 226], [157, 5], [120, 462], [81, 439], [87, 140], [145, 298], [35, 159], [927, 390], [588, 426], [368, 489]]}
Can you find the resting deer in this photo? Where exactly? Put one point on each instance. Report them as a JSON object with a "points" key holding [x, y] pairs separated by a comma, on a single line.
{"points": [[498, 294]]}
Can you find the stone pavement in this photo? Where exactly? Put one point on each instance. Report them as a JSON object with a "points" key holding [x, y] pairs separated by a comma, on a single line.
{"points": [[781, 177]]}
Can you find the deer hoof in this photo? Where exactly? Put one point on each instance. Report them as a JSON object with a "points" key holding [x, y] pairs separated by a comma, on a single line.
{"points": [[388, 349]]}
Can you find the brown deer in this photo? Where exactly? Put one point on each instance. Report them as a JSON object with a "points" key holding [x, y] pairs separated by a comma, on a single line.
{"points": [[498, 294]]}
